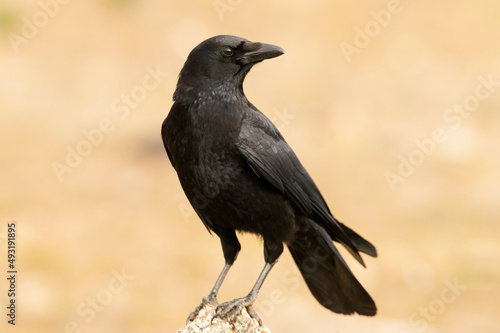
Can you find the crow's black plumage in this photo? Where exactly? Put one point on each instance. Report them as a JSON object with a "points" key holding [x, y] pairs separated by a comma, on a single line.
{"points": [[240, 175]]}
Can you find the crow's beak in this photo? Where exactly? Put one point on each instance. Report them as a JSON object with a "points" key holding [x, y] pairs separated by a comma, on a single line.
{"points": [[256, 52]]}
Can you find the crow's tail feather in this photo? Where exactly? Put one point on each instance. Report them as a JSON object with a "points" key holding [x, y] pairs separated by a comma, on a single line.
{"points": [[326, 273]]}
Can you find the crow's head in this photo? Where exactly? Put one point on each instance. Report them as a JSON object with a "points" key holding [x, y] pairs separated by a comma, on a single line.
{"points": [[221, 60]]}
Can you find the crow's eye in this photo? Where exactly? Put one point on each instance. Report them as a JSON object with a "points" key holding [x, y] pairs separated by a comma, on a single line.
{"points": [[228, 52]]}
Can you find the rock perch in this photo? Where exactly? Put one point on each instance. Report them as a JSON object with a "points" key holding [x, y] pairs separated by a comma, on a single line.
{"points": [[242, 324]]}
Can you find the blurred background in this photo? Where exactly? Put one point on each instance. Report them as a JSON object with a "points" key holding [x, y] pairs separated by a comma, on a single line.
{"points": [[392, 106]]}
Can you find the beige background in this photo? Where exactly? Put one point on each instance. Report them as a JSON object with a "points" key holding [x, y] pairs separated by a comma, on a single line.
{"points": [[352, 119]]}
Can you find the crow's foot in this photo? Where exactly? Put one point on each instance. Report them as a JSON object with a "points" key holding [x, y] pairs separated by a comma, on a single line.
{"points": [[235, 306], [210, 299]]}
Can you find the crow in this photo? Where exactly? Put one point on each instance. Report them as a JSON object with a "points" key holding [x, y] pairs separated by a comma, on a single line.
{"points": [[239, 174]]}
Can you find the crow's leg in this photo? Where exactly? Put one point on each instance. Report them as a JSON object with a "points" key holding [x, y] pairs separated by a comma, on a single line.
{"points": [[238, 304], [212, 297], [230, 246], [272, 251]]}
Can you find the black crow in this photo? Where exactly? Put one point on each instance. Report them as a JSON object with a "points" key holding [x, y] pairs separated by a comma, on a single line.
{"points": [[239, 174]]}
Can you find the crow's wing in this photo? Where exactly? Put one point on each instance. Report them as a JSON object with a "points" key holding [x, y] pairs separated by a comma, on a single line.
{"points": [[272, 159]]}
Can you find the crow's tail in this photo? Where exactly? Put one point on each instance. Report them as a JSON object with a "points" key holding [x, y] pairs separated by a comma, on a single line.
{"points": [[326, 273]]}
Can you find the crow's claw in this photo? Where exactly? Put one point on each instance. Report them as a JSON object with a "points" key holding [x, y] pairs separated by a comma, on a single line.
{"points": [[210, 299], [223, 310]]}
